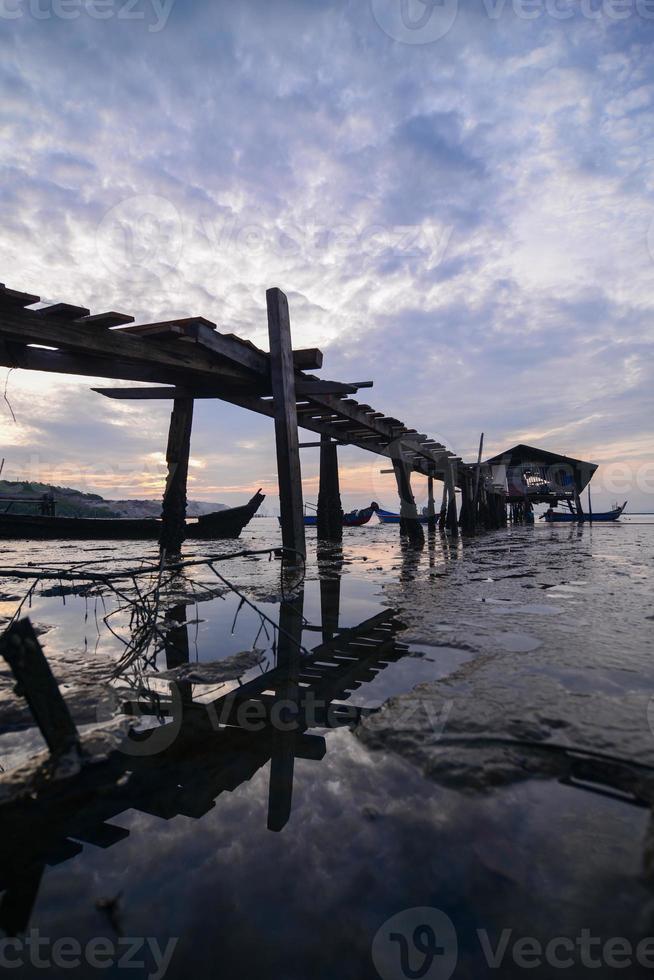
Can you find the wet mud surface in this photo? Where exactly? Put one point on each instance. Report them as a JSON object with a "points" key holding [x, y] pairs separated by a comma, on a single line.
{"points": [[494, 765]]}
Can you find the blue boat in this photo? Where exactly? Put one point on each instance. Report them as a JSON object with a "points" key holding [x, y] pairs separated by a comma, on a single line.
{"points": [[355, 518], [551, 516], [388, 517]]}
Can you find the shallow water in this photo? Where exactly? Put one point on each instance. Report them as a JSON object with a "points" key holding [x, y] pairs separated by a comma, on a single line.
{"points": [[540, 635]]}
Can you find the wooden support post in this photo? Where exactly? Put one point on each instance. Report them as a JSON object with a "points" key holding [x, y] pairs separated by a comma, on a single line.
{"points": [[579, 506], [466, 506], [282, 373], [330, 512], [409, 523], [451, 519], [431, 510], [35, 682], [173, 513]]}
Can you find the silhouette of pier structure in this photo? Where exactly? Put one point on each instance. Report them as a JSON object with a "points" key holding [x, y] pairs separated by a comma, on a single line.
{"points": [[187, 358]]}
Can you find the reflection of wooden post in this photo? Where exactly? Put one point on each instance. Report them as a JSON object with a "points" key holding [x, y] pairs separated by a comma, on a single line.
{"points": [[173, 531], [282, 762], [443, 510], [330, 512], [431, 510], [330, 603], [177, 646], [282, 375], [409, 523]]}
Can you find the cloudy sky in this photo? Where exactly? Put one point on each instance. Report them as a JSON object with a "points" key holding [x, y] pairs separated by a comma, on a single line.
{"points": [[455, 197]]}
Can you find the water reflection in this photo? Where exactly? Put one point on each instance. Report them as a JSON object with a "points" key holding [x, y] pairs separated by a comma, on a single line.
{"points": [[209, 747]]}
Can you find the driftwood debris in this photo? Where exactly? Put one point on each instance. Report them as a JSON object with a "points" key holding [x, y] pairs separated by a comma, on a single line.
{"points": [[35, 682]]}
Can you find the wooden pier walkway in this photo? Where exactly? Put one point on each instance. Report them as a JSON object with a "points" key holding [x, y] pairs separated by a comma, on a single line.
{"points": [[188, 358]]}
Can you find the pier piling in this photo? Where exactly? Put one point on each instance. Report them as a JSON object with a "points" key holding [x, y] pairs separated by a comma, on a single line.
{"points": [[330, 511], [173, 513], [282, 372], [409, 523]]}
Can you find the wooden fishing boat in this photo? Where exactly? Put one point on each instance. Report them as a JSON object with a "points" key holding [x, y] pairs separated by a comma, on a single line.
{"points": [[552, 517], [226, 523], [355, 518], [389, 517]]}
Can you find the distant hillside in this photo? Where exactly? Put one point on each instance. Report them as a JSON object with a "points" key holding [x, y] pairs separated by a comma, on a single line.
{"points": [[75, 503]]}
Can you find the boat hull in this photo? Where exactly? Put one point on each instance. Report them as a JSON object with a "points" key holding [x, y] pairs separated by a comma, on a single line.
{"points": [[357, 519], [220, 524], [604, 517], [387, 517]]}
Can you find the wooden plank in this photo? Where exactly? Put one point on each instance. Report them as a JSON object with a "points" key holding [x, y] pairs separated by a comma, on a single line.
{"points": [[143, 329], [63, 311], [286, 436], [106, 320], [35, 682], [12, 297]]}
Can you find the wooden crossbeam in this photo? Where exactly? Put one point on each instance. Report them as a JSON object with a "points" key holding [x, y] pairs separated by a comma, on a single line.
{"points": [[307, 359]]}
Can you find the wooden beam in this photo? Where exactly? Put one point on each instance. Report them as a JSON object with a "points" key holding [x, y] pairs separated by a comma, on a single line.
{"points": [[307, 359], [63, 311], [316, 386], [286, 437], [35, 682], [173, 531], [11, 297]]}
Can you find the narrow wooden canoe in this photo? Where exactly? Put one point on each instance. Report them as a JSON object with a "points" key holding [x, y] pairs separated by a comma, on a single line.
{"points": [[226, 523]]}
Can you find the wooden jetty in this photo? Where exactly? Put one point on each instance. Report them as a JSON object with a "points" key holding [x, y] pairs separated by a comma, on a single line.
{"points": [[189, 358]]}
